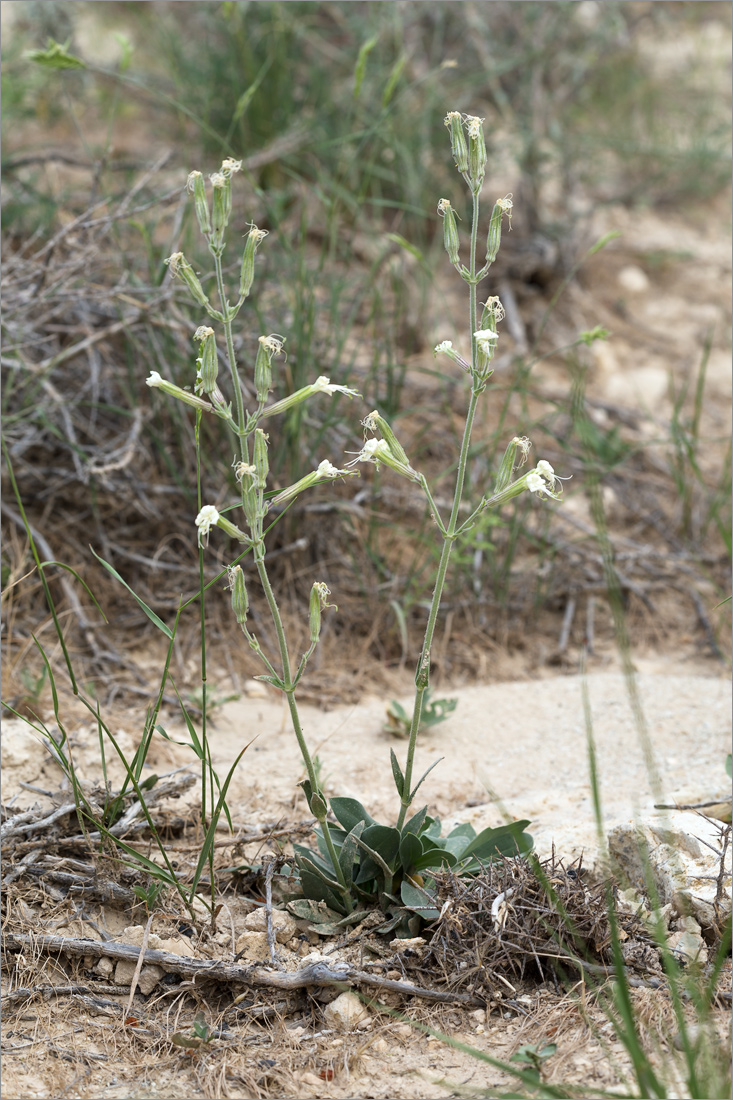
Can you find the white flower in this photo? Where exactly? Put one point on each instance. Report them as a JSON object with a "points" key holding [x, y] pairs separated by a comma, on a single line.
{"points": [[370, 452], [487, 335], [536, 483], [327, 469], [323, 384], [154, 379], [379, 450], [445, 346], [207, 518], [543, 479]]}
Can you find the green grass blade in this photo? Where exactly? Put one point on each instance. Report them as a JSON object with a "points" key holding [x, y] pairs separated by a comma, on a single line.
{"points": [[144, 607]]}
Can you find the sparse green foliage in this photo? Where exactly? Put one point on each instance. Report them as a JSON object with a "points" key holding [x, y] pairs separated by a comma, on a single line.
{"points": [[435, 711]]}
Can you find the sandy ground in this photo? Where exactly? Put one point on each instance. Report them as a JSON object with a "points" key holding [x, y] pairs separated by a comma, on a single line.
{"points": [[517, 746]]}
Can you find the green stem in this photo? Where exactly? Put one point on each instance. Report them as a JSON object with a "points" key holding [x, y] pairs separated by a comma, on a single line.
{"points": [[289, 689], [231, 357], [207, 796], [258, 553], [422, 678]]}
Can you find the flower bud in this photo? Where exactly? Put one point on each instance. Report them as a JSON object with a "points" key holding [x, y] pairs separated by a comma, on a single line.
{"points": [[318, 602], [261, 461], [195, 183], [240, 600], [450, 229], [247, 274], [476, 151], [501, 206], [207, 362], [506, 469], [376, 423], [179, 266], [454, 122]]}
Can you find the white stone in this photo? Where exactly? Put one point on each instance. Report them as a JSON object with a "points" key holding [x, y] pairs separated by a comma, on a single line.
{"points": [[149, 975], [685, 870], [633, 279], [283, 924], [414, 944], [346, 1012], [253, 946]]}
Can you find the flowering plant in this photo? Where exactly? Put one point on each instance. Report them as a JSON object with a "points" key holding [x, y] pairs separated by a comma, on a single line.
{"points": [[359, 862]]}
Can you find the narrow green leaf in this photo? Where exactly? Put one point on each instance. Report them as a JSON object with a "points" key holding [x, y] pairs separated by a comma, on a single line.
{"points": [[208, 843], [507, 840], [85, 586], [349, 852], [424, 776], [147, 610], [399, 779], [403, 243], [393, 79]]}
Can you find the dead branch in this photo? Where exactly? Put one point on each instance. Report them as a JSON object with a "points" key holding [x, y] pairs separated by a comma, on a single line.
{"points": [[318, 973]]}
